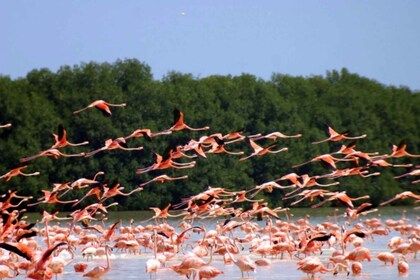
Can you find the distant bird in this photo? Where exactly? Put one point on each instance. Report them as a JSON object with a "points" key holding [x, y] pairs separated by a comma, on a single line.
{"points": [[342, 196], [110, 144], [402, 195], [274, 135], [146, 133], [6, 125], [180, 125], [259, 151], [335, 136], [50, 153], [61, 139], [17, 171], [327, 159], [99, 271], [400, 151], [102, 106], [162, 178]]}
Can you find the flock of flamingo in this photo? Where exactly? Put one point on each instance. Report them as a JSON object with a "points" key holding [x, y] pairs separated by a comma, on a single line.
{"points": [[43, 249]]}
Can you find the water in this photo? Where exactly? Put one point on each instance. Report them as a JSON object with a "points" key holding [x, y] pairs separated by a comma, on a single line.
{"points": [[129, 266]]}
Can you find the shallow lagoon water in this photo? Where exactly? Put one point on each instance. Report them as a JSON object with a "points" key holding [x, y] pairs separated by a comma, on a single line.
{"points": [[129, 266]]}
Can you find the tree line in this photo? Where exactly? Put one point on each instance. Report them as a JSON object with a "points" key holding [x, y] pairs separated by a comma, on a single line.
{"points": [[38, 103]]}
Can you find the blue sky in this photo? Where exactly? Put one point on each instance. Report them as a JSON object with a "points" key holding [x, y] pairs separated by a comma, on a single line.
{"points": [[378, 39]]}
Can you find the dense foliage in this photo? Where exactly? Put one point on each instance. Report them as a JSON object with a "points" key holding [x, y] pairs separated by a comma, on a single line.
{"points": [[38, 103]]}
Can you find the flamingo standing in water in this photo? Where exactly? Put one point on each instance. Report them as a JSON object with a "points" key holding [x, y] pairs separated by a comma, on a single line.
{"points": [[152, 265], [400, 151], [99, 271], [335, 136], [17, 171], [102, 105], [61, 139], [180, 125], [274, 136]]}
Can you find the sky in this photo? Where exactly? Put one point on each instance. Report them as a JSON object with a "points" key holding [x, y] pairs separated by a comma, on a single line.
{"points": [[377, 39]]}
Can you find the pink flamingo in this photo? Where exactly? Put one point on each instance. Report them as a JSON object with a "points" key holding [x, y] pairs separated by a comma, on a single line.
{"points": [[102, 105]]}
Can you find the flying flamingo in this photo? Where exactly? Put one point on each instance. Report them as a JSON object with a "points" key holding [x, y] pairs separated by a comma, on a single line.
{"points": [[400, 151], [51, 198], [205, 272], [41, 269], [102, 105], [342, 196], [17, 171], [162, 178], [6, 125], [335, 136], [415, 172], [259, 151], [325, 159], [164, 162], [110, 144], [180, 125], [50, 153], [274, 136], [146, 133], [402, 195], [115, 190], [61, 139], [218, 147], [99, 271]]}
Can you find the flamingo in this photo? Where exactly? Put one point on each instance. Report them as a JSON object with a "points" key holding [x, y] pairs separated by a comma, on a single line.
{"points": [[180, 125], [146, 133], [51, 198], [41, 270], [61, 139], [259, 151], [402, 266], [218, 146], [356, 268], [152, 265], [402, 195], [165, 162], [80, 266], [50, 153], [335, 136], [162, 178], [102, 105], [326, 159], [6, 125], [386, 257], [17, 171], [244, 263], [274, 136], [99, 271], [415, 172], [110, 144]]}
